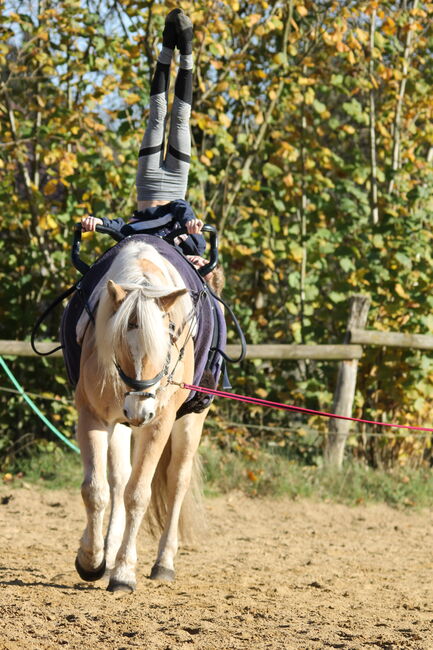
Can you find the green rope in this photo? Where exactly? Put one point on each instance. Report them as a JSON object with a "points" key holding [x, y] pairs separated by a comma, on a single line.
{"points": [[33, 406]]}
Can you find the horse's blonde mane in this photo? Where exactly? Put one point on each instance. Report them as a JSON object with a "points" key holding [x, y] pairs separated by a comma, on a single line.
{"points": [[142, 288]]}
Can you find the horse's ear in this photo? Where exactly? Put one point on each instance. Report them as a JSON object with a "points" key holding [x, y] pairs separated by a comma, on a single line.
{"points": [[167, 302], [116, 293]]}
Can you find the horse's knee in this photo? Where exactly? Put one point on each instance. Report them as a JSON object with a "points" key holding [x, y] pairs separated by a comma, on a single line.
{"points": [[137, 500], [95, 495], [118, 478]]}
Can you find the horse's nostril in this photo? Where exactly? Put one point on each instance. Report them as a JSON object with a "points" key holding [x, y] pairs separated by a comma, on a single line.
{"points": [[125, 413]]}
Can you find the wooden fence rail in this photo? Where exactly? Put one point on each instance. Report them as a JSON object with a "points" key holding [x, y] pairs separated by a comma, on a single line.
{"points": [[24, 349], [271, 351], [347, 354], [391, 339]]}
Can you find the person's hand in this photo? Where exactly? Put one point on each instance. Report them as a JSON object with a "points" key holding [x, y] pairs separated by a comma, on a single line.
{"points": [[88, 224], [194, 226], [197, 261]]}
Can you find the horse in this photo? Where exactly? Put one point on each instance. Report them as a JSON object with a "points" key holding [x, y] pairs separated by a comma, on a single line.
{"points": [[134, 360]]}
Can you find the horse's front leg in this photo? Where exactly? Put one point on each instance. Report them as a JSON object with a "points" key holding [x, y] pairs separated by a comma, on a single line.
{"points": [[149, 444], [185, 440], [119, 471], [92, 438]]}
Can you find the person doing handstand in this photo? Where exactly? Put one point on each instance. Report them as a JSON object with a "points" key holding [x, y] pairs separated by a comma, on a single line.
{"points": [[162, 182]]}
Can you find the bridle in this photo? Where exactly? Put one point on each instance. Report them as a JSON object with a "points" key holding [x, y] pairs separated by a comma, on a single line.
{"points": [[139, 386]]}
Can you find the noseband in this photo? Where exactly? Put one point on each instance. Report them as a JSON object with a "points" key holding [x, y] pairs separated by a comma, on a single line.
{"points": [[139, 386]]}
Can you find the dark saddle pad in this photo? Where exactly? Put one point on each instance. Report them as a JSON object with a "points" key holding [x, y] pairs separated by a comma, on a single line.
{"points": [[211, 333]]}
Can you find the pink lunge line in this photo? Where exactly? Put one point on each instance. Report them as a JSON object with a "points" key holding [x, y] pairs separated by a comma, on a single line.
{"points": [[286, 407]]}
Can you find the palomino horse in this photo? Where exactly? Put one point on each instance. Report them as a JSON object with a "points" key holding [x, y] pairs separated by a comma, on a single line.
{"points": [[142, 339]]}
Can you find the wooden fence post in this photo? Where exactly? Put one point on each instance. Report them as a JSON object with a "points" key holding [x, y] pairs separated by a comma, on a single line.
{"points": [[346, 386]]}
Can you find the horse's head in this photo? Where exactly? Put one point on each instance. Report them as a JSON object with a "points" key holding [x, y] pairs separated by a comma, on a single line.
{"points": [[140, 331]]}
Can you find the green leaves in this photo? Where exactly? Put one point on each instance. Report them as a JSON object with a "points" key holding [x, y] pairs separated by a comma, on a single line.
{"points": [[271, 171], [281, 164], [355, 109]]}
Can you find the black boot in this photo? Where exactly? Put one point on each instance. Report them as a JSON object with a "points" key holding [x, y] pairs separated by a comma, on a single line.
{"points": [[184, 33], [169, 35]]}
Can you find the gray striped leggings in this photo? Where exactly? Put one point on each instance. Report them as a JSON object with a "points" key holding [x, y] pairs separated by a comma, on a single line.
{"points": [[159, 178]]}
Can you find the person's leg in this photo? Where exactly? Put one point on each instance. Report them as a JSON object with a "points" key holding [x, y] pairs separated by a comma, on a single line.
{"points": [[151, 152], [179, 138]]}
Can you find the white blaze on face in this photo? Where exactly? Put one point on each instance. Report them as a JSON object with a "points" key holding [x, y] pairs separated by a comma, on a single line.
{"points": [[134, 348], [137, 409]]}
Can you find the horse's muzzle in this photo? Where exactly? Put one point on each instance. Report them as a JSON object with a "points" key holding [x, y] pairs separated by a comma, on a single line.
{"points": [[138, 422], [138, 413]]}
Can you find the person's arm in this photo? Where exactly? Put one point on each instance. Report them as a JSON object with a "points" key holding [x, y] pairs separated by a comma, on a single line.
{"points": [[184, 214], [88, 224]]}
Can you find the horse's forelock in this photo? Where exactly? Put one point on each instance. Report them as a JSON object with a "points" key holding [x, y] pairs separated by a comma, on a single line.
{"points": [[139, 306]]}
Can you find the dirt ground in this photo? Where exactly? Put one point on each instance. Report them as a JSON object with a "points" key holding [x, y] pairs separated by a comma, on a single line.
{"points": [[270, 574]]}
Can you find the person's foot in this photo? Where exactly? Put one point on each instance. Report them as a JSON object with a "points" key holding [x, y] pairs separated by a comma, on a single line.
{"points": [[184, 32], [169, 35]]}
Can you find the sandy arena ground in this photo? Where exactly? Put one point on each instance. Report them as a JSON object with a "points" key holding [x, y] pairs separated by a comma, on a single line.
{"points": [[271, 574]]}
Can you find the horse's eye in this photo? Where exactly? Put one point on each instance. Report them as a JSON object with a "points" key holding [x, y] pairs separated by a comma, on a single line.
{"points": [[132, 325]]}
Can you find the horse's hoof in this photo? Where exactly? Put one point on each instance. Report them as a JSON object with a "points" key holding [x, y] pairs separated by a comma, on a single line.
{"points": [[116, 586], [160, 572], [90, 575]]}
